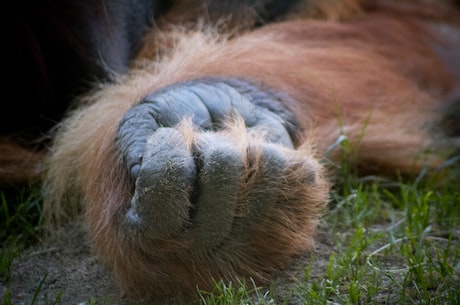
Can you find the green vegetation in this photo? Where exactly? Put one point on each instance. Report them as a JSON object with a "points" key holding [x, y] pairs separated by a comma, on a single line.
{"points": [[19, 224], [390, 242], [394, 242], [228, 293]]}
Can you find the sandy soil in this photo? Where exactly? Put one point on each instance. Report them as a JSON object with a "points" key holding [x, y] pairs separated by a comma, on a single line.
{"points": [[67, 271], [65, 268]]}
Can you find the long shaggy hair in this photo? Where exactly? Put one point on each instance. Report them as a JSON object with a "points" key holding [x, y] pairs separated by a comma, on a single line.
{"points": [[380, 73]]}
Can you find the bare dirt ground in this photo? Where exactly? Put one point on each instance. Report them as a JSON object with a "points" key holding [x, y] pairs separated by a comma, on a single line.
{"points": [[62, 270]]}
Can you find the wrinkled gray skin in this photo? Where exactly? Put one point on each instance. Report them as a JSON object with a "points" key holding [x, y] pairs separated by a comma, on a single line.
{"points": [[167, 173]]}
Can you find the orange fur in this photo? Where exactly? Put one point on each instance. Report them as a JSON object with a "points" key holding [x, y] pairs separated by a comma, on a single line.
{"points": [[371, 76], [19, 164]]}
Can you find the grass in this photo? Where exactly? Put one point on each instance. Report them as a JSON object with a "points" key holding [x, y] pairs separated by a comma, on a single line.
{"points": [[392, 242], [19, 224], [229, 293]]}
